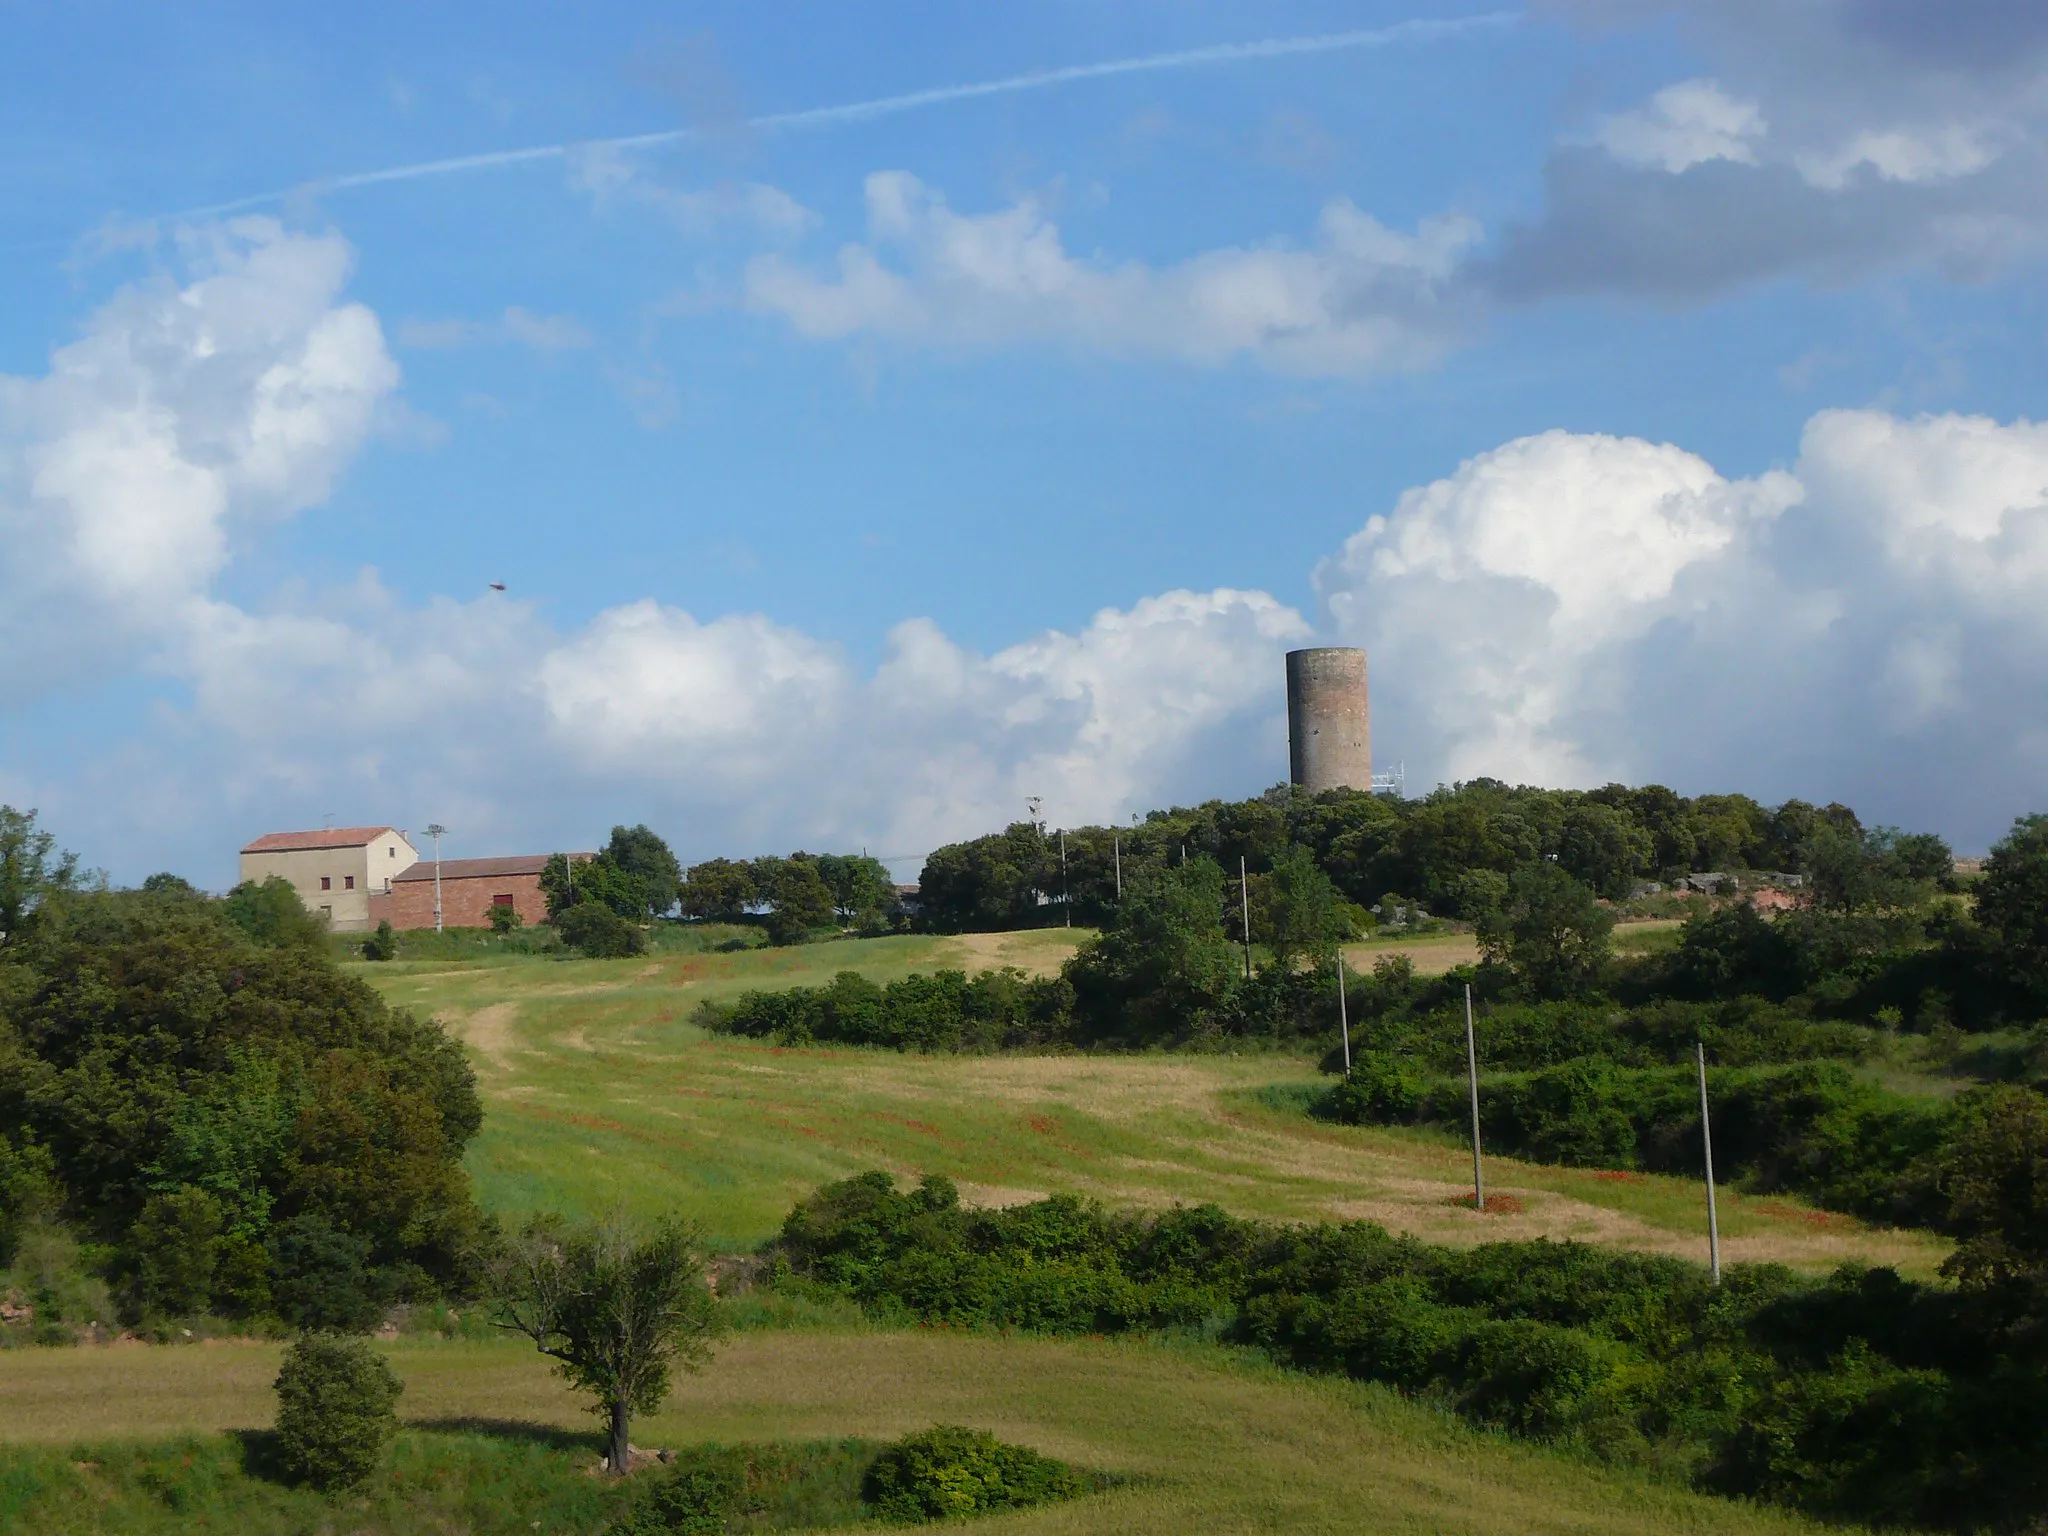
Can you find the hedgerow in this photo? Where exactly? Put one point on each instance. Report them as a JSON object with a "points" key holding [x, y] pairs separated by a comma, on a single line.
{"points": [[1813, 1128], [1862, 1396]]}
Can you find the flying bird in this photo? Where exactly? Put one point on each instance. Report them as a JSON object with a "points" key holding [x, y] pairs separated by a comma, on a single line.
{"points": [[497, 586]]}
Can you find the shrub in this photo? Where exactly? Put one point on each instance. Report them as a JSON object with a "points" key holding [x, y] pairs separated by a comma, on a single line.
{"points": [[946, 1472], [1381, 1090], [335, 1410], [599, 932], [504, 919], [383, 944], [693, 1500]]}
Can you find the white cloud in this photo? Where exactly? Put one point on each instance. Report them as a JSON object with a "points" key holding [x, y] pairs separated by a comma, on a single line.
{"points": [[1897, 154], [1363, 299], [1868, 625], [181, 412], [1564, 608], [1685, 125]]}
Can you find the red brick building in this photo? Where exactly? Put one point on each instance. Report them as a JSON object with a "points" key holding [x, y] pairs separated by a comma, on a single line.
{"points": [[469, 889]]}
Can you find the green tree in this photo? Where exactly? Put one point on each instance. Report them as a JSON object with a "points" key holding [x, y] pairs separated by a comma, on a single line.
{"points": [[1996, 1177], [859, 884], [2012, 904], [155, 1046], [176, 1243], [503, 918], [1302, 912], [803, 901], [31, 871], [1604, 847], [599, 932], [570, 882], [618, 1311], [1167, 965], [720, 890], [640, 854], [273, 915], [1551, 932], [336, 1410], [383, 944]]}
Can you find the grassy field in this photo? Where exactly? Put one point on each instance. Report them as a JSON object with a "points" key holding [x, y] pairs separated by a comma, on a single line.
{"points": [[1208, 1442], [600, 1092]]}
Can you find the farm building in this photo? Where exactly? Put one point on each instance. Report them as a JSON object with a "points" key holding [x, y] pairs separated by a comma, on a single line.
{"points": [[469, 889], [335, 871]]}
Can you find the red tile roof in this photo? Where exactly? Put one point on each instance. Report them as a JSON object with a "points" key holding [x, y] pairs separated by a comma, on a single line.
{"points": [[479, 869], [332, 837]]}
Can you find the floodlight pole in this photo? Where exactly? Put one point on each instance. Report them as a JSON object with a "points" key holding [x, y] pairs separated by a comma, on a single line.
{"points": [[1244, 892], [1472, 1073], [434, 830], [1707, 1146]]}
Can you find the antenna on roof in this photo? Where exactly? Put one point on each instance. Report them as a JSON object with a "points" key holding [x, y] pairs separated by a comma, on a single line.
{"points": [[327, 822]]}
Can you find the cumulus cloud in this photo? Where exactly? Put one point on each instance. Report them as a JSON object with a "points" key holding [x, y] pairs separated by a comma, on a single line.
{"points": [[189, 410], [182, 411], [1572, 608], [1363, 298]]}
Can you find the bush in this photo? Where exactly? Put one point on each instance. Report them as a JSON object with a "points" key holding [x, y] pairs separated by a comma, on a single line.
{"points": [[946, 1472], [383, 944], [693, 1500], [1381, 1090], [335, 1410], [504, 919], [599, 932], [943, 1011]]}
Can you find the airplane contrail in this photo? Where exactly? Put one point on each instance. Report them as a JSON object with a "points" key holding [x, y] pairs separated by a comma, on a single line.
{"points": [[1417, 31]]}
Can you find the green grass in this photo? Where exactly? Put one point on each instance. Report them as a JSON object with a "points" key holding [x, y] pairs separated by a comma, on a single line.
{"points": [[600, 1092], [1203, 1439]]}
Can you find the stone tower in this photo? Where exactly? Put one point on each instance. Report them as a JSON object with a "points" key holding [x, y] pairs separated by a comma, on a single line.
{"points": [[1329, 723]]}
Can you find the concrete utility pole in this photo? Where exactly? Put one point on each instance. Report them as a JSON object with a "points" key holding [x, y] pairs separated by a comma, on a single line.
{"points": [[1244, 892], [1707, 1146], [1117, 846], [434, 830], [1472, 1072], [1066, 900], [1343, 1011]]}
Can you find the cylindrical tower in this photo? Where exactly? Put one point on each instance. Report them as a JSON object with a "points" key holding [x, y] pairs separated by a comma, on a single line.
{"points": [[1329, 723]]}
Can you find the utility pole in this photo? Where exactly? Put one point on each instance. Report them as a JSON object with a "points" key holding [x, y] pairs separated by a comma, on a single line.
{"points": [[434, 830], [1343, 1011], [1066, 900], [1117, 845], [1707, 1146], [1244, 892], [1472, 1072]]}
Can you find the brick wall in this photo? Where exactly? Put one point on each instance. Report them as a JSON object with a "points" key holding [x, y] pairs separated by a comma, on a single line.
{"points": [[465, 903]]}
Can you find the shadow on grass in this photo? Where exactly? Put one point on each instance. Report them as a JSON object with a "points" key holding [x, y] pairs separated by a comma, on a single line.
{"points": [[552, 1436]]}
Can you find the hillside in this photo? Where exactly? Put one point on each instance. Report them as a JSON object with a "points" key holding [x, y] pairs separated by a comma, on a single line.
{"points": [[598, 1089]]}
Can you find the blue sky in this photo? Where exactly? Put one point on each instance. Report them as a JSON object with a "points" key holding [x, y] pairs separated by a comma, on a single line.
{"points": [[1649, 386]]}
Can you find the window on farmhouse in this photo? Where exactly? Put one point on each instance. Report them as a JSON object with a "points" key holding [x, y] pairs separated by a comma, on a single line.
{"points": [[327, 882], [504, 900], [348, 882]]}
